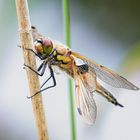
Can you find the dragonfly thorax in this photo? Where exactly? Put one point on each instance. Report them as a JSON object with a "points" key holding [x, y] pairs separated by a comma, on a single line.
{"points": [[43, 47]]}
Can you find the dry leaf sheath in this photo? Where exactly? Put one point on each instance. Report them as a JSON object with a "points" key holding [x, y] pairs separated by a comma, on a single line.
{"points": [[26, 41]]}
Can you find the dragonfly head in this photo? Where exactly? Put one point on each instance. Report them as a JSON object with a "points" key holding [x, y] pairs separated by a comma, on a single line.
{"points": [[43, 47]]}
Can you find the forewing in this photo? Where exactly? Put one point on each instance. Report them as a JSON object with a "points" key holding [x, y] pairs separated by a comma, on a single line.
{"points": [[107, 75], [112, 78]]}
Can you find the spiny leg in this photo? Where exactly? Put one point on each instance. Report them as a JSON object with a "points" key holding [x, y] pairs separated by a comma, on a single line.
{"points": [[54, 82], [31, 50], [42, 66], [53, 78], [107, 95], [46, 81]]}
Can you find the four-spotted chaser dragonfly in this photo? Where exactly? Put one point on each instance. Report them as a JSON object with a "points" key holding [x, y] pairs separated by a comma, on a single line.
{"points": [[85, 75]]}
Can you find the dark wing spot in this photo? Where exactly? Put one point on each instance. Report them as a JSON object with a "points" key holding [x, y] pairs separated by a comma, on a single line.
{"points": [[79, 110], [33, 27], [101, 66], [83, 68]]}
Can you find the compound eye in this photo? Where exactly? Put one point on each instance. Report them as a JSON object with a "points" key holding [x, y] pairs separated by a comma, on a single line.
{"points": [[40, 41], [38, 46]]}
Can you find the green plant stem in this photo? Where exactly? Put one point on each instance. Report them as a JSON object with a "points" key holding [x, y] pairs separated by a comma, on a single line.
{"points": [[67, 38]]}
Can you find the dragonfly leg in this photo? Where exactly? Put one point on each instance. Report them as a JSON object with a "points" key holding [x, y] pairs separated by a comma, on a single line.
{"points": [[46, 81], [107, 95], [51, 76], [42, 66], [31, 50], [54, 82]]}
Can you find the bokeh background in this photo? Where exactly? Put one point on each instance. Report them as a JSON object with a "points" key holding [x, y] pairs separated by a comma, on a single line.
{"points": [[107, 32]]}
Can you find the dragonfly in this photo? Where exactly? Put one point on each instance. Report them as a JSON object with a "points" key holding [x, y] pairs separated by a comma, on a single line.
{"points": [[85, 75]]}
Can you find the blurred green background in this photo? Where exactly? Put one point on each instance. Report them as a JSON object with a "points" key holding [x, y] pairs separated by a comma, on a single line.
{"points": [[107, 32]]}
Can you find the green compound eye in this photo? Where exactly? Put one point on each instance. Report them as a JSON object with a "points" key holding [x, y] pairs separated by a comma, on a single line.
{"points": [[47, 46], [43, 46]]}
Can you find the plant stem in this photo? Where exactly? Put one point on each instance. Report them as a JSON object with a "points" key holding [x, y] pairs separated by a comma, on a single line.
{"points": [[67, 38], [27, 42]]}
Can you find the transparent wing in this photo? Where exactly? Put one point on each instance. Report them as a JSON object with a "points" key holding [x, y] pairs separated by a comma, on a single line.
{"points": [[112, 78], [107, 75], [85, 102], [85, 85]]}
